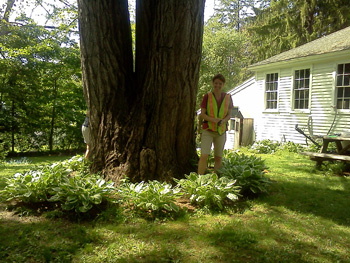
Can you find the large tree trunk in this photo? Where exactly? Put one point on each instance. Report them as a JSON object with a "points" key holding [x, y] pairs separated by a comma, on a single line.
{"points": [[142, 122]]}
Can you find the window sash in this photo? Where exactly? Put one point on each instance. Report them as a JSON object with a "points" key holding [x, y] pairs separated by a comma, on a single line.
{"points": [[271, 90], [301, 88], [343, 86]]}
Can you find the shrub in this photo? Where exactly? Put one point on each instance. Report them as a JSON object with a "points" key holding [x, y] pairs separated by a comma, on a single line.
{"points": [[153, 197], [67, 183], [269, 147], [80, 192], [3, 151], [332, 147], [208, 190], [313, 148], [33, 186], [77, 163], [248, 171], [234, 159], [291, 147], [265, 146], [20, 161]]}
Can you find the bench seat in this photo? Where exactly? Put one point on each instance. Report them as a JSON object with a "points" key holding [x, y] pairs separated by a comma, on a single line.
{"points": [[327, 156]]}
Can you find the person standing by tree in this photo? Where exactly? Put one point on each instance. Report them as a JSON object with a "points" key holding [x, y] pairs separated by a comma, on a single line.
{"points": [[86, 134], [216, 110]]}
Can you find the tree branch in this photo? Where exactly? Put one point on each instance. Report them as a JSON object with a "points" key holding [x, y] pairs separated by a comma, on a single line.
{"points": [[8, 10], [47, 27]]}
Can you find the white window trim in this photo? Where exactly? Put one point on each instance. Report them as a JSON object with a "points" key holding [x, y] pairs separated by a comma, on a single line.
{"points": [[334, 99], [308, 110], [278, 92]]}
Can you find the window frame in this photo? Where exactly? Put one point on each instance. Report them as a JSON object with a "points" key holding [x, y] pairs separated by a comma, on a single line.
{"points": [[336, 75], [266, 92], [293, 97]]}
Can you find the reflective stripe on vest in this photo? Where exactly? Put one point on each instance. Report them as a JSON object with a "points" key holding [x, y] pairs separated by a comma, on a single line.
{"points": [[212, 111]]}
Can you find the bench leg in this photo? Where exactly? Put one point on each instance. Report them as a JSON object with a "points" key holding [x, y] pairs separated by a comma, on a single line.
{"points": [[318, 164], [318, 161]]}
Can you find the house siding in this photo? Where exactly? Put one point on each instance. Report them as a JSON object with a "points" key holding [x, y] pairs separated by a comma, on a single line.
{"points": [[243, 97], [280, 125], [321, 118]]}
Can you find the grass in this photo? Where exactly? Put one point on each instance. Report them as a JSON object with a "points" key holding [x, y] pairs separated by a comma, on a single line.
{"points": [[305, 218]]}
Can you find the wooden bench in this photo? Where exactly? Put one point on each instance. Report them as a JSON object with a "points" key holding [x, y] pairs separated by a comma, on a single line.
{"points": [[327, 156]]}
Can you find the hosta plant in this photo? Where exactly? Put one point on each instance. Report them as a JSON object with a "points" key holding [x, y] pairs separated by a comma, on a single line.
{"points": [[208, 189], [67, 183], [265, 146], [77, 163], [233, 158], [80, 192], [248, 171], [33, 186], [153, 197], [292, 147]]}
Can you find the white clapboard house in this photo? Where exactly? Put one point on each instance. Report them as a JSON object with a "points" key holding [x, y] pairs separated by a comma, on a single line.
{"points": [[308, 86]]}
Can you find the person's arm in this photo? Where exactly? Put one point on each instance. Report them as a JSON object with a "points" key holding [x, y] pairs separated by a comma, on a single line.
{"points": [[229, 112], [204, 114], [228, 116], [207, 117]]}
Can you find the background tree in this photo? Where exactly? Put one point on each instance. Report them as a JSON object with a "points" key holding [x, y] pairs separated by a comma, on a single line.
{"points": [[225, 43], [142, 122], [286, 24], [235, 14], [41, 95], [224, 51], [252, 30]]}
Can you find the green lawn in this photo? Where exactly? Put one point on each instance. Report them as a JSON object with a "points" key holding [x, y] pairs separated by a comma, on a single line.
{"points": [[305, 218]]}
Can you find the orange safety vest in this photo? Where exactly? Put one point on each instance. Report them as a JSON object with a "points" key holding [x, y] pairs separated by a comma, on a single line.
{"points": [[214, 112]]}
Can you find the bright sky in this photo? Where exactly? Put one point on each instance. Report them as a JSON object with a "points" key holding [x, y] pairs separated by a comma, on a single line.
{"points": [[209, 9], [38, 13]]}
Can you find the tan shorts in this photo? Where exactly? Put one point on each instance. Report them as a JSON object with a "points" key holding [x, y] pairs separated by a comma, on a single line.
{"points": [[86, 134], [208, 138]]}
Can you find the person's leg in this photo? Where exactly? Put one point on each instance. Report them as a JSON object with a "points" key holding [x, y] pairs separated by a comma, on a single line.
{"points": [[206, 142], [218, 163], [203, 163], [86, 135], [87, 152], [219, 143]]}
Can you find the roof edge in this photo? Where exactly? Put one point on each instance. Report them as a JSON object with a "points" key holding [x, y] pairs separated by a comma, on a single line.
{"points": [[305, 59]]}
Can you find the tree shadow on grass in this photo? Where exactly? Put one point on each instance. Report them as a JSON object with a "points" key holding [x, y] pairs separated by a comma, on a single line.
{"points": [[230, 242], [267, 241], [237, 245], [302, 188], [163, 254], [326, 197], [40, 240]]}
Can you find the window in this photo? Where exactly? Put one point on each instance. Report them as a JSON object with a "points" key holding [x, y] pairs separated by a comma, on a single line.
{"points": [[271, 90], [343, 86], [301, 89], [231, 124]]}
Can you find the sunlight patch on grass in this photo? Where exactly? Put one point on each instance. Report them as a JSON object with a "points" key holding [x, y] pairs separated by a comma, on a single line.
{"points": [[304, 233]]}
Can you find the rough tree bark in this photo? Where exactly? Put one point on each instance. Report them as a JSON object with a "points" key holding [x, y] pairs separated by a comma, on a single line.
{"points": [[142, 122]]}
